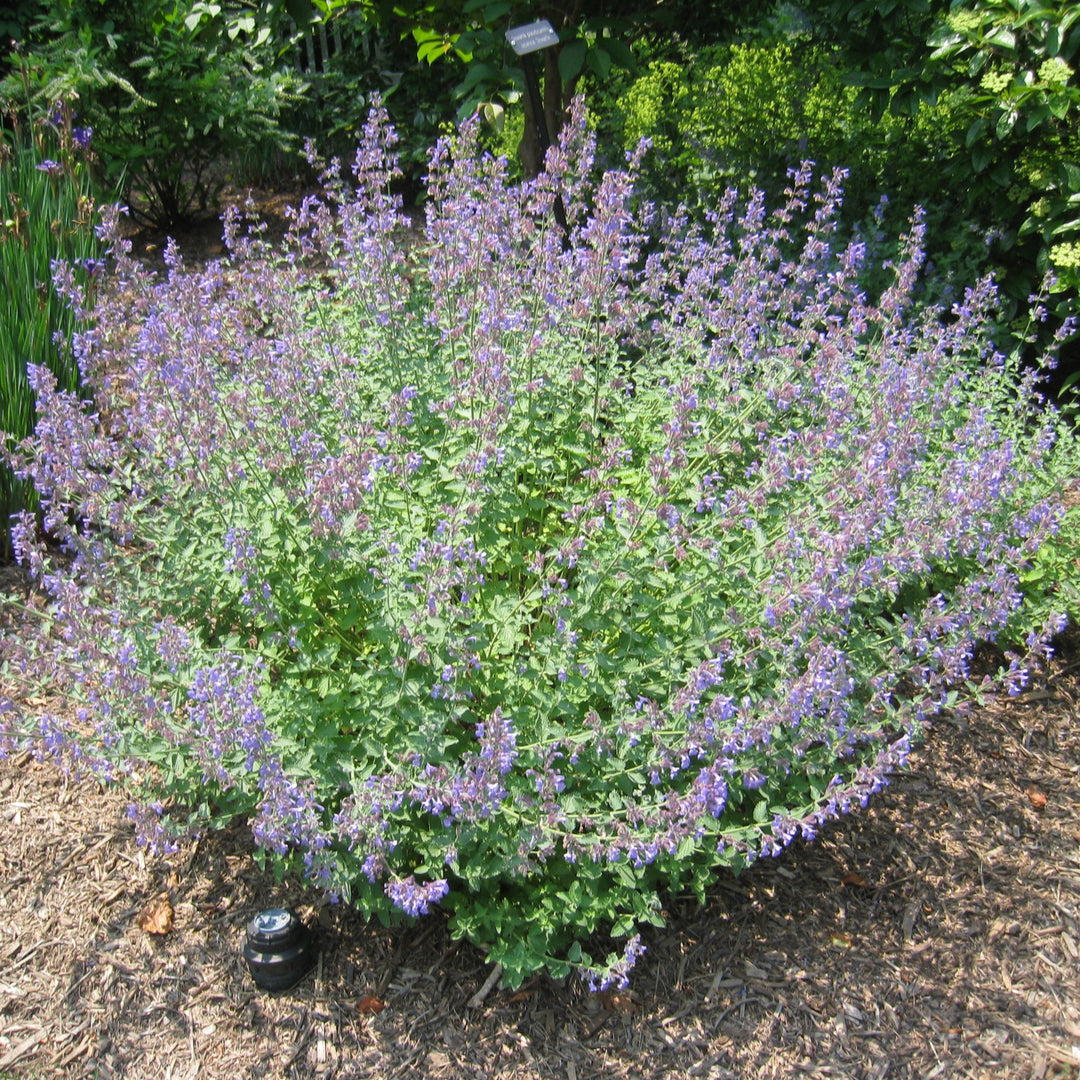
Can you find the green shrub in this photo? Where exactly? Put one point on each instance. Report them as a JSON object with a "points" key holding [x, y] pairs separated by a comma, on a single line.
{"points": [[1006, 73], [745, 115], [171, 90]]}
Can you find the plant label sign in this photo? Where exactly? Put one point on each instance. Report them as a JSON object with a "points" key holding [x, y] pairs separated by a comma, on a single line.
{"points": [[532, 37]]}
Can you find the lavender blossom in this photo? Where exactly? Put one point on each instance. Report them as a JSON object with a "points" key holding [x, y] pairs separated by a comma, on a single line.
{"points": [[415, 898], [618, 974]]}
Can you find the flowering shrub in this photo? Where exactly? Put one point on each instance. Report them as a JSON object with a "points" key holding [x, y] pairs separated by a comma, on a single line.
{"points": [[517, 575]]}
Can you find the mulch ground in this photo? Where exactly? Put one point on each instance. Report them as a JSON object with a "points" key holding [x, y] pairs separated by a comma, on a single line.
{"points": [[936, 934]]}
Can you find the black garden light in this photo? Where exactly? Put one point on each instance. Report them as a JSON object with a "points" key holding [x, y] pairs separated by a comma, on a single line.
{"points": [[278, 949]]}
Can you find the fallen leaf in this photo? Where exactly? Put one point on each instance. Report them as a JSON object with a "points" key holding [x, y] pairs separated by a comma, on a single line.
{"points": [[854, 879], [616, 1002], [157, 916], [840, 941], [369, 1004], [1036, 797]]}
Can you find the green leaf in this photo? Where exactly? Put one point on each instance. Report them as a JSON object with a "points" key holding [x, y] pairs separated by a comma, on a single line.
{"points": [[1002, 37], [975, 132], [620, 53], [430, 51], [943, 39], [981, 156], [1063, 229], [904, 102], [687, 847], [1060, 104], [599, 62], [1036, 116], [478, 73], [300, 11], [571, 60]]}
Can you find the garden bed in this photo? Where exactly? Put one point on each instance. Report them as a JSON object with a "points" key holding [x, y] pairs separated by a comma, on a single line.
{"points": [[935, 934]]}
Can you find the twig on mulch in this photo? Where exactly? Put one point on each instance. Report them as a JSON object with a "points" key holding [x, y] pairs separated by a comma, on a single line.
{"points": [[480, 996]]}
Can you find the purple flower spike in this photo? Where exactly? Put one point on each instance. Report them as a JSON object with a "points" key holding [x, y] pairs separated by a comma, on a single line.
{"points": [[618, 975], [415, 898]]}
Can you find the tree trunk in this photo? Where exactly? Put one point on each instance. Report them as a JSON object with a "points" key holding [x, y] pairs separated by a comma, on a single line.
{"points": [[555, 96]]}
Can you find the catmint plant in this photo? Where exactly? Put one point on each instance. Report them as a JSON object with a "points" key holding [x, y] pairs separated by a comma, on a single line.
{"points": [[518, 575]]}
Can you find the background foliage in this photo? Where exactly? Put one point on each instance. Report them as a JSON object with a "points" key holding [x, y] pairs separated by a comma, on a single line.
{"points": [[48, 205], [1007, 70], [173, 91]]}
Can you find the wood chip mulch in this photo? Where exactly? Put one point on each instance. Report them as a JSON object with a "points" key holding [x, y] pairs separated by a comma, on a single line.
{"points": [[935, 934]]}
